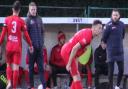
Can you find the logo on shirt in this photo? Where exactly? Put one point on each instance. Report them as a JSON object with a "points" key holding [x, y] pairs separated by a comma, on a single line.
{"points": [[84, 41], [31, 22], [113, 27]]}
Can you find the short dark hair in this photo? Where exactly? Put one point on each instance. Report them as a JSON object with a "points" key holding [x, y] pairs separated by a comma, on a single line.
{"points": [[16, 5], [60, 32], [95, 22], [116, 10]]}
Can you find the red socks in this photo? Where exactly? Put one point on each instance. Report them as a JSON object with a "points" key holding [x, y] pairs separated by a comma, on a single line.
{"points": [[15, 78], [26, 76], [9, 73], [78, 85], [89, 80]]}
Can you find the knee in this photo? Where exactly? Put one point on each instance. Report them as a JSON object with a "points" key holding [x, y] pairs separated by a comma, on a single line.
{"points": [[76, 78], [15, 67]]}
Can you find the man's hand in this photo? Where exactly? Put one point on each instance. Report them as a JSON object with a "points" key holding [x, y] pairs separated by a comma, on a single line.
{"points": [[31, 49], [68, 67]]}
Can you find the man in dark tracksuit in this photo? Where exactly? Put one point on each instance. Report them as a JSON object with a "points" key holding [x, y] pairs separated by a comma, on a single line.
{"points": [[101, 66], [36, 31], [113, 38]]}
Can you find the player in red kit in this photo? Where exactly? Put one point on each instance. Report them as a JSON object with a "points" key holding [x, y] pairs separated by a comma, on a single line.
{"points": [[75, 47], [14, 28]]}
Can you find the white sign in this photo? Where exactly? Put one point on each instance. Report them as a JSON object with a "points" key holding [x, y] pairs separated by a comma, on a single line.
{"points": [[71, 20]]}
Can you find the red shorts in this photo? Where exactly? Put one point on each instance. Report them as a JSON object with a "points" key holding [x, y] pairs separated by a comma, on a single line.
{"points": [[13, 57], [65, 55]]}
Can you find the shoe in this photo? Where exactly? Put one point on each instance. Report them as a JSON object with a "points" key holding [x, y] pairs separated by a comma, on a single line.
{"points": [[116, 87], [32, 88], [8, 86]]}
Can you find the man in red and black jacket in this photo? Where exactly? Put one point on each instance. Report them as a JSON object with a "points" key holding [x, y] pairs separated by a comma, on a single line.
{"points": [[56, 61]]}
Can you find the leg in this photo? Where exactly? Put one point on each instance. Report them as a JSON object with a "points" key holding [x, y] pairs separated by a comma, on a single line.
{"points": [[77, 84], [9, 70], [26, 72], [31, 68], [121, 71], [15, 67], [110, 74], [9, 75], [97, 73], [54, 77], [40, 63], [89, 75], [125, 82]]}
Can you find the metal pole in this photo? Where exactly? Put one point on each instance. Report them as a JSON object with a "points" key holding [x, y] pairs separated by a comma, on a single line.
{"points": [[77, 27]]}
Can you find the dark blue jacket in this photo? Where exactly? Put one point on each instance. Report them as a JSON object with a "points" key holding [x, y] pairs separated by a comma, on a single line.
{"points": [[113, 36], [35, 30]]}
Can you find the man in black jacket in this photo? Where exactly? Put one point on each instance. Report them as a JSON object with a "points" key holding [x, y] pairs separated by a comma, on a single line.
{"points": [[100, 63], [114, 33], [36, 33]]}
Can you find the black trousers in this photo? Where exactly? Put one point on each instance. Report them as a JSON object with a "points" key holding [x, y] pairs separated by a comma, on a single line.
{"points": [[55, 71], [36, 56], [100, 69], [120, 65]]}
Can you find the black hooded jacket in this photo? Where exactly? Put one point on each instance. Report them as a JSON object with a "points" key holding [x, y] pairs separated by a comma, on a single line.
{"points": [[100, 56]]}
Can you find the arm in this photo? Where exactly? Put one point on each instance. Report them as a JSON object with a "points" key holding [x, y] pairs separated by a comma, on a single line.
{"points": [[26, 35], [72, 55], [42, 29], [4, 30], [27, 38], [106, 34], [52, 57], [123, 31]]}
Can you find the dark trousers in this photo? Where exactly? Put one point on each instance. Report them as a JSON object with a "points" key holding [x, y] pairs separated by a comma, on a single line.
{"points": [[125, 82], [55, 71], [100, 69], [3, 68], [36, 56], [120, 65]]}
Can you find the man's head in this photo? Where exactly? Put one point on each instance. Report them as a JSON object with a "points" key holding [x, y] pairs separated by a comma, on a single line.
{"points": [[32, 9], [61, 38], [16, 7], [96, 27], [115, 15]]}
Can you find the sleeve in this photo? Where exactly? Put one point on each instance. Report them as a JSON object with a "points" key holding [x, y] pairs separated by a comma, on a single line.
{"points": [[42, 28], [106, 33], [27, 20], [27, 38], [4, 30], [45, 56], [52, 57], [96, 57], [123, 31]]}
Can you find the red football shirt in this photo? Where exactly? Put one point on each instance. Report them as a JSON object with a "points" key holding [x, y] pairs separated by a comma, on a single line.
{"points": [[84, 37], [14, 28]]}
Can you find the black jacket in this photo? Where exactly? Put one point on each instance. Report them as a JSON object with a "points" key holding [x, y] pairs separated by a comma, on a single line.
{"points": [[113, 36], [35, 30], [100, 56]]}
